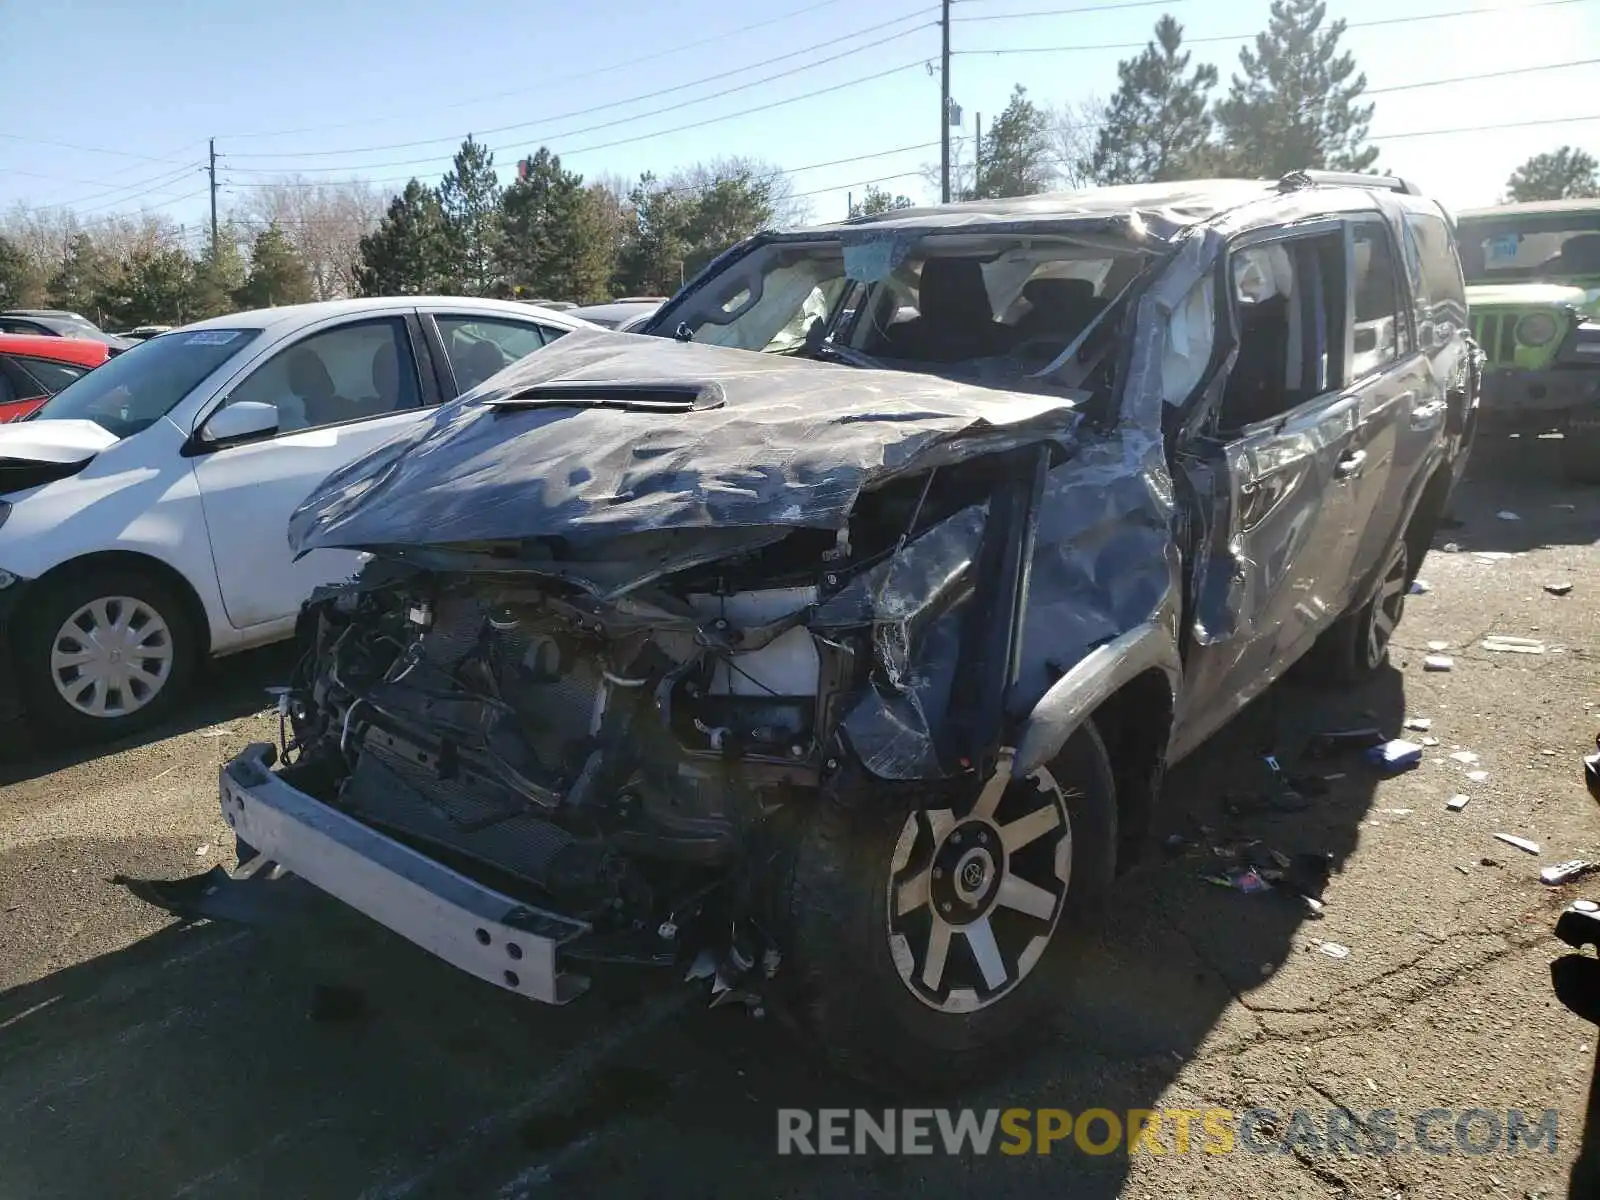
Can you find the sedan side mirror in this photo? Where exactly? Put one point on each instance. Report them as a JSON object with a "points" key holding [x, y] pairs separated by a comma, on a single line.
{"points": [[239, 422]]}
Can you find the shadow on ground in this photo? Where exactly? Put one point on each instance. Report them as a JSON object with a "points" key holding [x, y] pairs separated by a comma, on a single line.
{"points": [[336, 1060], [225, 690]]}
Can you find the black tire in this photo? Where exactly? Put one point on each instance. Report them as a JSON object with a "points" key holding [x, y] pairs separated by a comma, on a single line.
{"points": [[1356, 646], [1580, 454], [842, 986], [55, 603]]}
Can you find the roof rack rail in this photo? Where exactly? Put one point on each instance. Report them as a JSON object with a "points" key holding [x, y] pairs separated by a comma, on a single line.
{"points": [[1307, 178]]}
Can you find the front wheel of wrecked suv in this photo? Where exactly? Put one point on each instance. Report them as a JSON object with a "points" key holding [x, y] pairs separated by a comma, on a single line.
{"points": [[930, 943]]}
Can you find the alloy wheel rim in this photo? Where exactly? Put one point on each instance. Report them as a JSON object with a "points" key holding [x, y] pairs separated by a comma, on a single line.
{"points": [[112, 657], [974, 898], [1387, 607]]}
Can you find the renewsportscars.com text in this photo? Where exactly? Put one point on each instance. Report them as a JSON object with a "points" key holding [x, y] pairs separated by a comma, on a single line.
{"points": [[1017, 1131]]}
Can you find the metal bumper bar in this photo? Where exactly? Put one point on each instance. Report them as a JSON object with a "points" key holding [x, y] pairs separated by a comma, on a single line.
{"points": [[500, 940]]}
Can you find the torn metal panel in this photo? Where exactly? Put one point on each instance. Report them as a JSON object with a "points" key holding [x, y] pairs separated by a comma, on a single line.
{"points": [[793, 446]]}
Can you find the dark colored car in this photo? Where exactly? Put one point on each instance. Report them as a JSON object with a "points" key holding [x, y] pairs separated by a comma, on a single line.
{"points": [[846, 674], [32, 369], [1533, 283], [628, 315], [55, 322]]}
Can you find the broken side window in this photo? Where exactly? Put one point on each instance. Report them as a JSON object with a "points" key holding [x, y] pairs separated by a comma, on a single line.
{"points": [[1288, 309]]}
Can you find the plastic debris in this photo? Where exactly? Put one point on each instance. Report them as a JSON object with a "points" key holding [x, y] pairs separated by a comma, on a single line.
{"points": [[1521, 843], [1568, 871], [1477, 776], [1334, 950], [1438, 646], [1241, 879], [1342, 741], [1465, 756], [202, 850], [1463, 870], [1457, 803], [1420, 724], [1512, 645], [1558, 589], [1430, 741], [1506, 514], [1420, 587], [1451, 547], [1565, 507], [1396, 756], [1437, 662]]}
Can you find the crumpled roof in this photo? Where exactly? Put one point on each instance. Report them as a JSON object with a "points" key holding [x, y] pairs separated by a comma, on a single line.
{"points": [[792, 443]]}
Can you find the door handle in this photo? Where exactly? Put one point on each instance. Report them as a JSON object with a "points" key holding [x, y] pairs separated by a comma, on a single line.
{"points": [[1350, 464]]}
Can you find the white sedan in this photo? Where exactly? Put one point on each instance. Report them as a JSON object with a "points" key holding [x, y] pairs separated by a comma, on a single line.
{"points": [[143, 508]]}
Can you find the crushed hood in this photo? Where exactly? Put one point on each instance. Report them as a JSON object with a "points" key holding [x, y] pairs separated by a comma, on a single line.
{"points": [[58, 443], [734, 439]]}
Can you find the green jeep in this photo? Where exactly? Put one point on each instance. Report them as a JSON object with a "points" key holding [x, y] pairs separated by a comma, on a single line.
{"points": [[1533, 288]]}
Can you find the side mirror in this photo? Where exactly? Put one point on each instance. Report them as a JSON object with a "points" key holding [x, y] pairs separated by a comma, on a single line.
{"points": [[238, 422]]}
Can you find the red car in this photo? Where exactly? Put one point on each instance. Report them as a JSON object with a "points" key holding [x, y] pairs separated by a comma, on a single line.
{"points": [[34, 368]]}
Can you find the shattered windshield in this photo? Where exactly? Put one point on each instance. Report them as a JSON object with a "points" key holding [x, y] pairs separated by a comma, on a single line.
{"points": [[935, 303], [1524, 249]]}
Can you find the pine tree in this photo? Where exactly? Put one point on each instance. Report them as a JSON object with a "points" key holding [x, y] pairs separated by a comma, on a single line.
{"points": [[1156, 127], [555, 243], [875, 200], [217, 276], [84, 274], [17, 282], [1016, 153], [469, 196], [1297, 103], [153, 286], [651, 261], [277, 273], [409, 254], [1564, 174]]}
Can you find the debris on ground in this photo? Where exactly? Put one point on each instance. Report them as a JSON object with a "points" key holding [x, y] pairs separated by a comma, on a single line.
{"points": [[1506, 514], [1334, 949], [1420, 724], [1396, 756], [1457, 803], [1512, 645], [1466, 757], [1463, 870], [1241, 879], [1176, 844], [1420, 587], [1558, 589], [1342, 741], [1430, 741], [1477, 776], [1486, 861], [1437, 662], [1451, 547], [202, 850], [1438, 646], [1521, 843], [1591, 774], [1568, 871]]}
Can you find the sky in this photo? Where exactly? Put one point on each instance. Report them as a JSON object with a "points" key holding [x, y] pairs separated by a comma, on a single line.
{"points": [[106, 107]]}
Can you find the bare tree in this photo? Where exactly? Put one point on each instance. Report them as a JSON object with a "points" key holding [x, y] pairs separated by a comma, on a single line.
{"points": [[323, 221], [1073, 130], [42, 234]]}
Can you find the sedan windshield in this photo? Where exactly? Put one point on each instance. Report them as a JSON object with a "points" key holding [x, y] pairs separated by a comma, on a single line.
{"points": [[135, 390]]}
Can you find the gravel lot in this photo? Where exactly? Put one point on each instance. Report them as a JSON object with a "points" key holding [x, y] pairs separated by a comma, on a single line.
{"points": [[143, 1057]]}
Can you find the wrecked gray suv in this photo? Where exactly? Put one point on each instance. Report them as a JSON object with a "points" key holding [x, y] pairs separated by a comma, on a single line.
{"points": [[831, 643]]}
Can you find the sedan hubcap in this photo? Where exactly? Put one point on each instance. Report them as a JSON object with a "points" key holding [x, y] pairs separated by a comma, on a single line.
{"points": [[1388, 607], [975, 897], [111, 657]]}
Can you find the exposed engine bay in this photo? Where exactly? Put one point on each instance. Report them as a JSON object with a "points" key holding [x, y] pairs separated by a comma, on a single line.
{"points": [[629, 762]]}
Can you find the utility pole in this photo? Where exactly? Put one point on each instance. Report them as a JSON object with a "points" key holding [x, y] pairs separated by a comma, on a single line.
{"points": [[977, 151], [213, 170], [944, 104]]}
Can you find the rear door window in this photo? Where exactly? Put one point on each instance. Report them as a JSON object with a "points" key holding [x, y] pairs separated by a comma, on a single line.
{"points": [[1379, 332], [52, 375], [479, 347]]}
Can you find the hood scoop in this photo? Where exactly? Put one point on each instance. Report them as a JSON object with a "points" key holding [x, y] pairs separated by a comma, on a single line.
{"points": [[651, 396]]}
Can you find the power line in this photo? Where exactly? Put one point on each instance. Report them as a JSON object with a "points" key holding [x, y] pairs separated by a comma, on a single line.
{"points": [[1420, 133], [582, 112], [1477, 75], [1063, 12], [17, 137], [589, 74], [1241, 37]]}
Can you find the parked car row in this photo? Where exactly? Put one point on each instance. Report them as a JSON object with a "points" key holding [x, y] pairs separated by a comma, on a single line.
{"points": [[34, 368]]}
